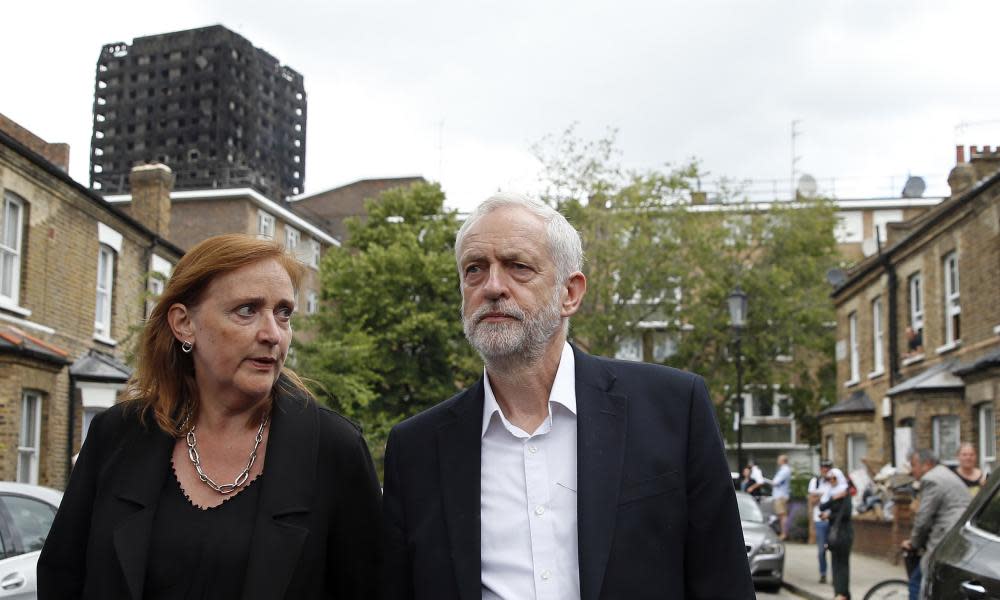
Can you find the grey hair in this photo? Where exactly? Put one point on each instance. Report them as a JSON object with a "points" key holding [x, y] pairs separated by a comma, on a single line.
{"points": [[564, 240], [925, 456]]}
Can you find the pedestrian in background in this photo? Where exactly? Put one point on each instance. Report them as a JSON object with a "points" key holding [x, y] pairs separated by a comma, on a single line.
{"points": [[745, 481], [968, 469], [943, 499], [819, 490], [841, 534], [781, 490], [756, 480]]}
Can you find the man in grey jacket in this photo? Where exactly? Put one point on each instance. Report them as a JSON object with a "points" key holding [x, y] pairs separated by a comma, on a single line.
{"points": [[943, 499]]}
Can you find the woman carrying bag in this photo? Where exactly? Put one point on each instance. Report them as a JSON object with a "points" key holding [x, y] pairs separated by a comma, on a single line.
{"points": [[839, 541]]}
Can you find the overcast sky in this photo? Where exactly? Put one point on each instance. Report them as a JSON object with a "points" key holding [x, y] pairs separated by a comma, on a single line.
{"points": [[459, 90]]}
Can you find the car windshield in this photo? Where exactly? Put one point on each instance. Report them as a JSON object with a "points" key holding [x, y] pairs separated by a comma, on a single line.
{"points": [[749, 510]]}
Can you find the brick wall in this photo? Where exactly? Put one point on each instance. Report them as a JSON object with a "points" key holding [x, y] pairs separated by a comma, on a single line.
{"points": [[881, 539], [842, 425], [970, 227], [193, 221], [58, 287], [57, 154]]}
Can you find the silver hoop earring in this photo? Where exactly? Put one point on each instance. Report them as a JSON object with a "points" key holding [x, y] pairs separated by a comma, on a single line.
{"points": [[186, 347]]}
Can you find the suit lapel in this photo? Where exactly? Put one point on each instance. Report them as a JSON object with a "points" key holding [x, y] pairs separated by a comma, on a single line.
{"points": [[144, 464], [459, 451], [601, 423], [286, 490]]}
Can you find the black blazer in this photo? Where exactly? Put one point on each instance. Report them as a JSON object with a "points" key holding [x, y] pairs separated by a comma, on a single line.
{"points": [[315, 534], [656, 508]]}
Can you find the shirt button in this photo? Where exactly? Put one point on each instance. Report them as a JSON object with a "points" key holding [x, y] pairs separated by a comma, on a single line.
{"points": [[532, 449], [546, 574], [539, 510]]}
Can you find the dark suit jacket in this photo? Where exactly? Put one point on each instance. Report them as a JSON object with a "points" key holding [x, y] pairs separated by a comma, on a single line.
{"points": [[315, 533], [656, 508]]}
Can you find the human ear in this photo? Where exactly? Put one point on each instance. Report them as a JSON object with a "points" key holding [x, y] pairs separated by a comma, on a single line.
{"points": [[179, 319], [576, 287]]}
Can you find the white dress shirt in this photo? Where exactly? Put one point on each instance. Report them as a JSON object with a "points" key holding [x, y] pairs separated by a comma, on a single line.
{"points": [[528, 498]]}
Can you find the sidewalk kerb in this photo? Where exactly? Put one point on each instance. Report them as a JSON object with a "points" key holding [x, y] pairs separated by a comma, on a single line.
{"points": [[801, 592]]}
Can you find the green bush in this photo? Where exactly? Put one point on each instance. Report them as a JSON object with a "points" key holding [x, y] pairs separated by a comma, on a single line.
{"points": [[800, 485]]}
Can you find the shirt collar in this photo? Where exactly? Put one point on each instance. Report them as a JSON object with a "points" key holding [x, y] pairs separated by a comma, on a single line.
{"points": [[563, 388]]}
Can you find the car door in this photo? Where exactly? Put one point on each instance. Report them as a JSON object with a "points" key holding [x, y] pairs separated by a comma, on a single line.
{"points": [[966, 565], [983, 567], [24, 525]]}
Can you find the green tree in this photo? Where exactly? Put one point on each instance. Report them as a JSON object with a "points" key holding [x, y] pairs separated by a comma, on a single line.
{"points": [[657, 260], [387, 341]]}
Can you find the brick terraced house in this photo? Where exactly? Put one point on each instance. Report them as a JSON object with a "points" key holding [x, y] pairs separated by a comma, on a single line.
{"points": [[74, 283], [918, 332]]}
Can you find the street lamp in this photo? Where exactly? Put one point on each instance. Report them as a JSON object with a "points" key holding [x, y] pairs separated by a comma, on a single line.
{"points": [[737, 320]]}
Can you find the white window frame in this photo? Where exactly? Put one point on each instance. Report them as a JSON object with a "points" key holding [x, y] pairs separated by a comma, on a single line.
{"points": [[314, 253], [664, 345], [952, 304], [851, 457], [312, 302], [160, 270], [11, 248], [292, 239], [852, 348], [916, 286], [830, 447], [265, 224], [35, 430], [948, 458], [849, 228], [630, 348], [102, 319], [95, 398], [986, 417], [878, 358]]}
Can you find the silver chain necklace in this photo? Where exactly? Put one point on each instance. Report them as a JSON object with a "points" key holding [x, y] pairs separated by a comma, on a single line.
{"points": [[241, 479]]}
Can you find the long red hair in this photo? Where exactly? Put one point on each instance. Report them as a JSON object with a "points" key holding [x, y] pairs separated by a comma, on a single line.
{"points": [[163, 382]]}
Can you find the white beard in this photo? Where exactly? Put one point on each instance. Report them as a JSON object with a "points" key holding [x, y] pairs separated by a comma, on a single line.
{"points": [[522, 341]]}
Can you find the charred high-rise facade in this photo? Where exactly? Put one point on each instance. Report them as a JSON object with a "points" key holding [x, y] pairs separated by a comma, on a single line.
{"points": [[205, 102]]}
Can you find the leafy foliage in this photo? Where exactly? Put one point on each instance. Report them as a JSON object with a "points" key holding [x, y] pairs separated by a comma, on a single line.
{"points": [[660, 267], [387, 341]]}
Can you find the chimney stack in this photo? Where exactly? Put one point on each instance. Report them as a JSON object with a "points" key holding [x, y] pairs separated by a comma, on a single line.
{"points": [[959, 154], [150, 186], [985, 162], [57, 153]]}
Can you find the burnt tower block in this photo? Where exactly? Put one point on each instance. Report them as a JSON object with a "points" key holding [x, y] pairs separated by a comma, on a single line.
{"points": [[205, 102]]}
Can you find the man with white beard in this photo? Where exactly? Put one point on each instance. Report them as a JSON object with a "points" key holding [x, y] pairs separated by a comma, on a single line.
{"points": [[559, 475]]}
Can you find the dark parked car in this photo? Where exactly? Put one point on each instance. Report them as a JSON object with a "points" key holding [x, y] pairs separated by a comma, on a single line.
{"points": [[765, 552], [966, 564]]}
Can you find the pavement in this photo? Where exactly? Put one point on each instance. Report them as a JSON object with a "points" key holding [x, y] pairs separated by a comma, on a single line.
{"points": [[802, 573]]}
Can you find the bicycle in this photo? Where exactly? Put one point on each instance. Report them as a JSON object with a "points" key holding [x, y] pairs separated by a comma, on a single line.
{"points": [[893, 589]]}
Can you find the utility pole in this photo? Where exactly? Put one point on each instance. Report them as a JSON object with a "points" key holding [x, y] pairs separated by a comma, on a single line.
{"points": [[440, 150], [795, 158]]}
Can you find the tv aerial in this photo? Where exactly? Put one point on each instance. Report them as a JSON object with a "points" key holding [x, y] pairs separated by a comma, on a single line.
{"points": [[914, 187], [806, 186]]}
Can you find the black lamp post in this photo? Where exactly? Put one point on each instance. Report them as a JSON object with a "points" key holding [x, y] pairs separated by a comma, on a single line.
{"points": [[738, 320]]}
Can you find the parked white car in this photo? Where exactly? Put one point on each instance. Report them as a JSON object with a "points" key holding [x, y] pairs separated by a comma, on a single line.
{"points": [[26, 514]]}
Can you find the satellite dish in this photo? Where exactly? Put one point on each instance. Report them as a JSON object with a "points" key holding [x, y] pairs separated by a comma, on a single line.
{"points": [[836, 277], [914, 188], [806, 186]]}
